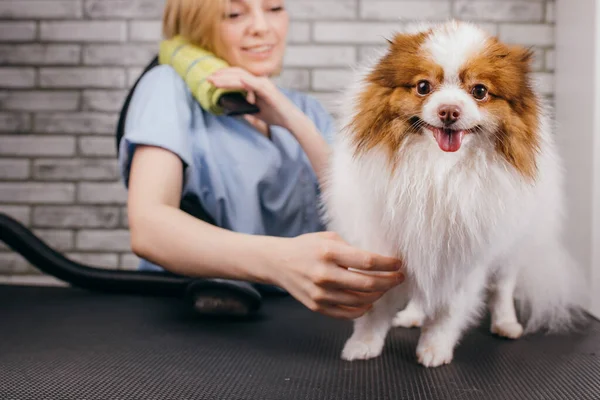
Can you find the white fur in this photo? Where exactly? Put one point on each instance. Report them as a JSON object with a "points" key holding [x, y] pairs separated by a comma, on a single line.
{"points": [[461, 221], [451, 50]]}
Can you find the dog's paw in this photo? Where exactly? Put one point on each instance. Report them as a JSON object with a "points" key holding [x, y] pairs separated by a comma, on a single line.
{"points": [[360, 348], [409, 318], [433, 353], [511, 330]]}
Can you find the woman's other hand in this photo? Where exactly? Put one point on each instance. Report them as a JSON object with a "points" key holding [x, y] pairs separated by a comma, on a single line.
{"points": [[275, 107], [315, 269]]}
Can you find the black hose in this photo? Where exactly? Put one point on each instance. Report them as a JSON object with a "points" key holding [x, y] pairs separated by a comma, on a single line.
{"points": [[47, 260]]}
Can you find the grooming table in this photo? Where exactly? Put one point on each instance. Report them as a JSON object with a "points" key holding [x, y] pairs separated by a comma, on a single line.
{"points": [[65, 343]]}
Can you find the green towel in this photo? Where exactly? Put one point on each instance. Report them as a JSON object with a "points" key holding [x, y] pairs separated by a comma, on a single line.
{"points": [[194, 65]]}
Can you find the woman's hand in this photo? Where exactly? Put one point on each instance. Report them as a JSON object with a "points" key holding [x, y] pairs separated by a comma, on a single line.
{"points": [[275, 107], [314, 269]]}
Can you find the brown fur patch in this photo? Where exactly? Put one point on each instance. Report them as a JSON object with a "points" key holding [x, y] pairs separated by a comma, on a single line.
{"points": [[504, 71], [388, 101]]}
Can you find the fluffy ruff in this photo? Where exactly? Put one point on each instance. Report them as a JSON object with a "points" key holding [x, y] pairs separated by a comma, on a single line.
{"points": [[445, 158]]}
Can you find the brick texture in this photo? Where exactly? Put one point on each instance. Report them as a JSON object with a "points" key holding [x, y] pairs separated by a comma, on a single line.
{"points": [[17, 31], [39, 54], [84, 31], [66, 65], [37, 100], [44, 9], [14, 169]]}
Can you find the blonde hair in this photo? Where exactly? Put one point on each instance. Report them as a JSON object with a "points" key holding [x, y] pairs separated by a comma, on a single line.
{"points": [[195, 20]]}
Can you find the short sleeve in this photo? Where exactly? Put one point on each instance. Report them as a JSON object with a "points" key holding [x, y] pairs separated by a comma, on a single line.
{"points": [[159, 114]]}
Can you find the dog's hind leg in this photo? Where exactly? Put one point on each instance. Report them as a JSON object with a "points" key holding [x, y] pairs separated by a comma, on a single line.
{"points": [[411, 317], [502, 307]]}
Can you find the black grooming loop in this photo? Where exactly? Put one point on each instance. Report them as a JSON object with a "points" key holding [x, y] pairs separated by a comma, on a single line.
{"points": [[20, 239]]}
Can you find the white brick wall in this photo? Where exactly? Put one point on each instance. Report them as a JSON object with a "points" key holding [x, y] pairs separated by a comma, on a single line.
{"points": [[39, 54], [88, 31], [15, 31], [505, 11], [36, 193], [405, 9], [35, 146], [14, 122], [81, 77], [17, 77], [75, 216], [44, 9], [66, 65], [37, 100], [14, 169], [75, 122]]}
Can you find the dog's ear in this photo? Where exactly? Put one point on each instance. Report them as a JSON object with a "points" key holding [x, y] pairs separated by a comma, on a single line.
{"points": [[402, 49], [522, 55]]}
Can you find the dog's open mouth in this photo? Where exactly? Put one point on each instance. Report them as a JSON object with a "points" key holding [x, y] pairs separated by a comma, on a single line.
{"points": [[449, 139]]}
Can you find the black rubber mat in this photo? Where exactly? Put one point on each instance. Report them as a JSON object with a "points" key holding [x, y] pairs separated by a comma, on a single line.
{"points": [[69, 344]]}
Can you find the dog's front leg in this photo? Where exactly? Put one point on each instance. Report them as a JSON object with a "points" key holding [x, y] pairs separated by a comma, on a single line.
{"points": [[441, 333], [370, 330]]}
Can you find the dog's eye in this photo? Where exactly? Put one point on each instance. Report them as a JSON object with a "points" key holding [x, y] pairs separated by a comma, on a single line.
{"points": [[423, 87], [479, 92]]}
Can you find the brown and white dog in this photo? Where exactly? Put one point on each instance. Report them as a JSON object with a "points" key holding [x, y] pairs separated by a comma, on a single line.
{"points": [[446, 158]]}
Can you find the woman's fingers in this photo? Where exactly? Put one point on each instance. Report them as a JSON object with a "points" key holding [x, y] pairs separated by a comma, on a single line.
{"points": [[361, 282], [251, 97], [351, 257], [226, 82], [258, 88], [258, 85], [333, 276], [316, 302], [237, 78], [344, 297], [346, 312], [229, 78]]}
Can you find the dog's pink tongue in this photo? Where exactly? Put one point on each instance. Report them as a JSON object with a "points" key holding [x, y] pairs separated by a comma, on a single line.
{"points": [[449, 139]]}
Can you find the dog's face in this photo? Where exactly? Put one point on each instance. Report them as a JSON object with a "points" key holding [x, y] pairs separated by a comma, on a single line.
{"points": [[454, 85]]}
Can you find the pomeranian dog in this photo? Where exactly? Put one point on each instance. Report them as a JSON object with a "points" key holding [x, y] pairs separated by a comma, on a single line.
{"points": [[445, 158]]}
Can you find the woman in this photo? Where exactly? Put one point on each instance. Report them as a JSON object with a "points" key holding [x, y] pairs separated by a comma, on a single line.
{"points": [[258, 176]]}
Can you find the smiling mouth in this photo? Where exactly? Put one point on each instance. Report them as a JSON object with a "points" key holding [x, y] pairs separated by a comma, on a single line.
{"points": [[448, 139], [259, 49]]}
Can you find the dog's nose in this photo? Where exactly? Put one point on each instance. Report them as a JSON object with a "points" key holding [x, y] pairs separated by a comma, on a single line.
{"points": [[449, 114]]}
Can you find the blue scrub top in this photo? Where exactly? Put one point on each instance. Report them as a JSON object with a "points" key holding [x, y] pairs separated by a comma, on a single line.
{"points": [[245, 181]]}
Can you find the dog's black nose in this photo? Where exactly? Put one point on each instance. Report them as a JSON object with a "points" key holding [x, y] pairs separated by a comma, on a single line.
{"points": [[449, 114]]}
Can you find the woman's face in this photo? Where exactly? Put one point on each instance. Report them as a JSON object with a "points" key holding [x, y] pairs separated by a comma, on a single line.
{"points": [[252, 35]]}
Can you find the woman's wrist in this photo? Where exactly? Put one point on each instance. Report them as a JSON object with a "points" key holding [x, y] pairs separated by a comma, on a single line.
{"points": [[260, 260]]}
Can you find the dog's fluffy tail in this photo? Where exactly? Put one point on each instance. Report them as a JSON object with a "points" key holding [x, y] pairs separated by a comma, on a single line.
{"points": [[550, 291], [551, 287]]}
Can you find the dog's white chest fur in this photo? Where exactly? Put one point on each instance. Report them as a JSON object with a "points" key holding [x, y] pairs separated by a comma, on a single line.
{"points": [[443, 216]]}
